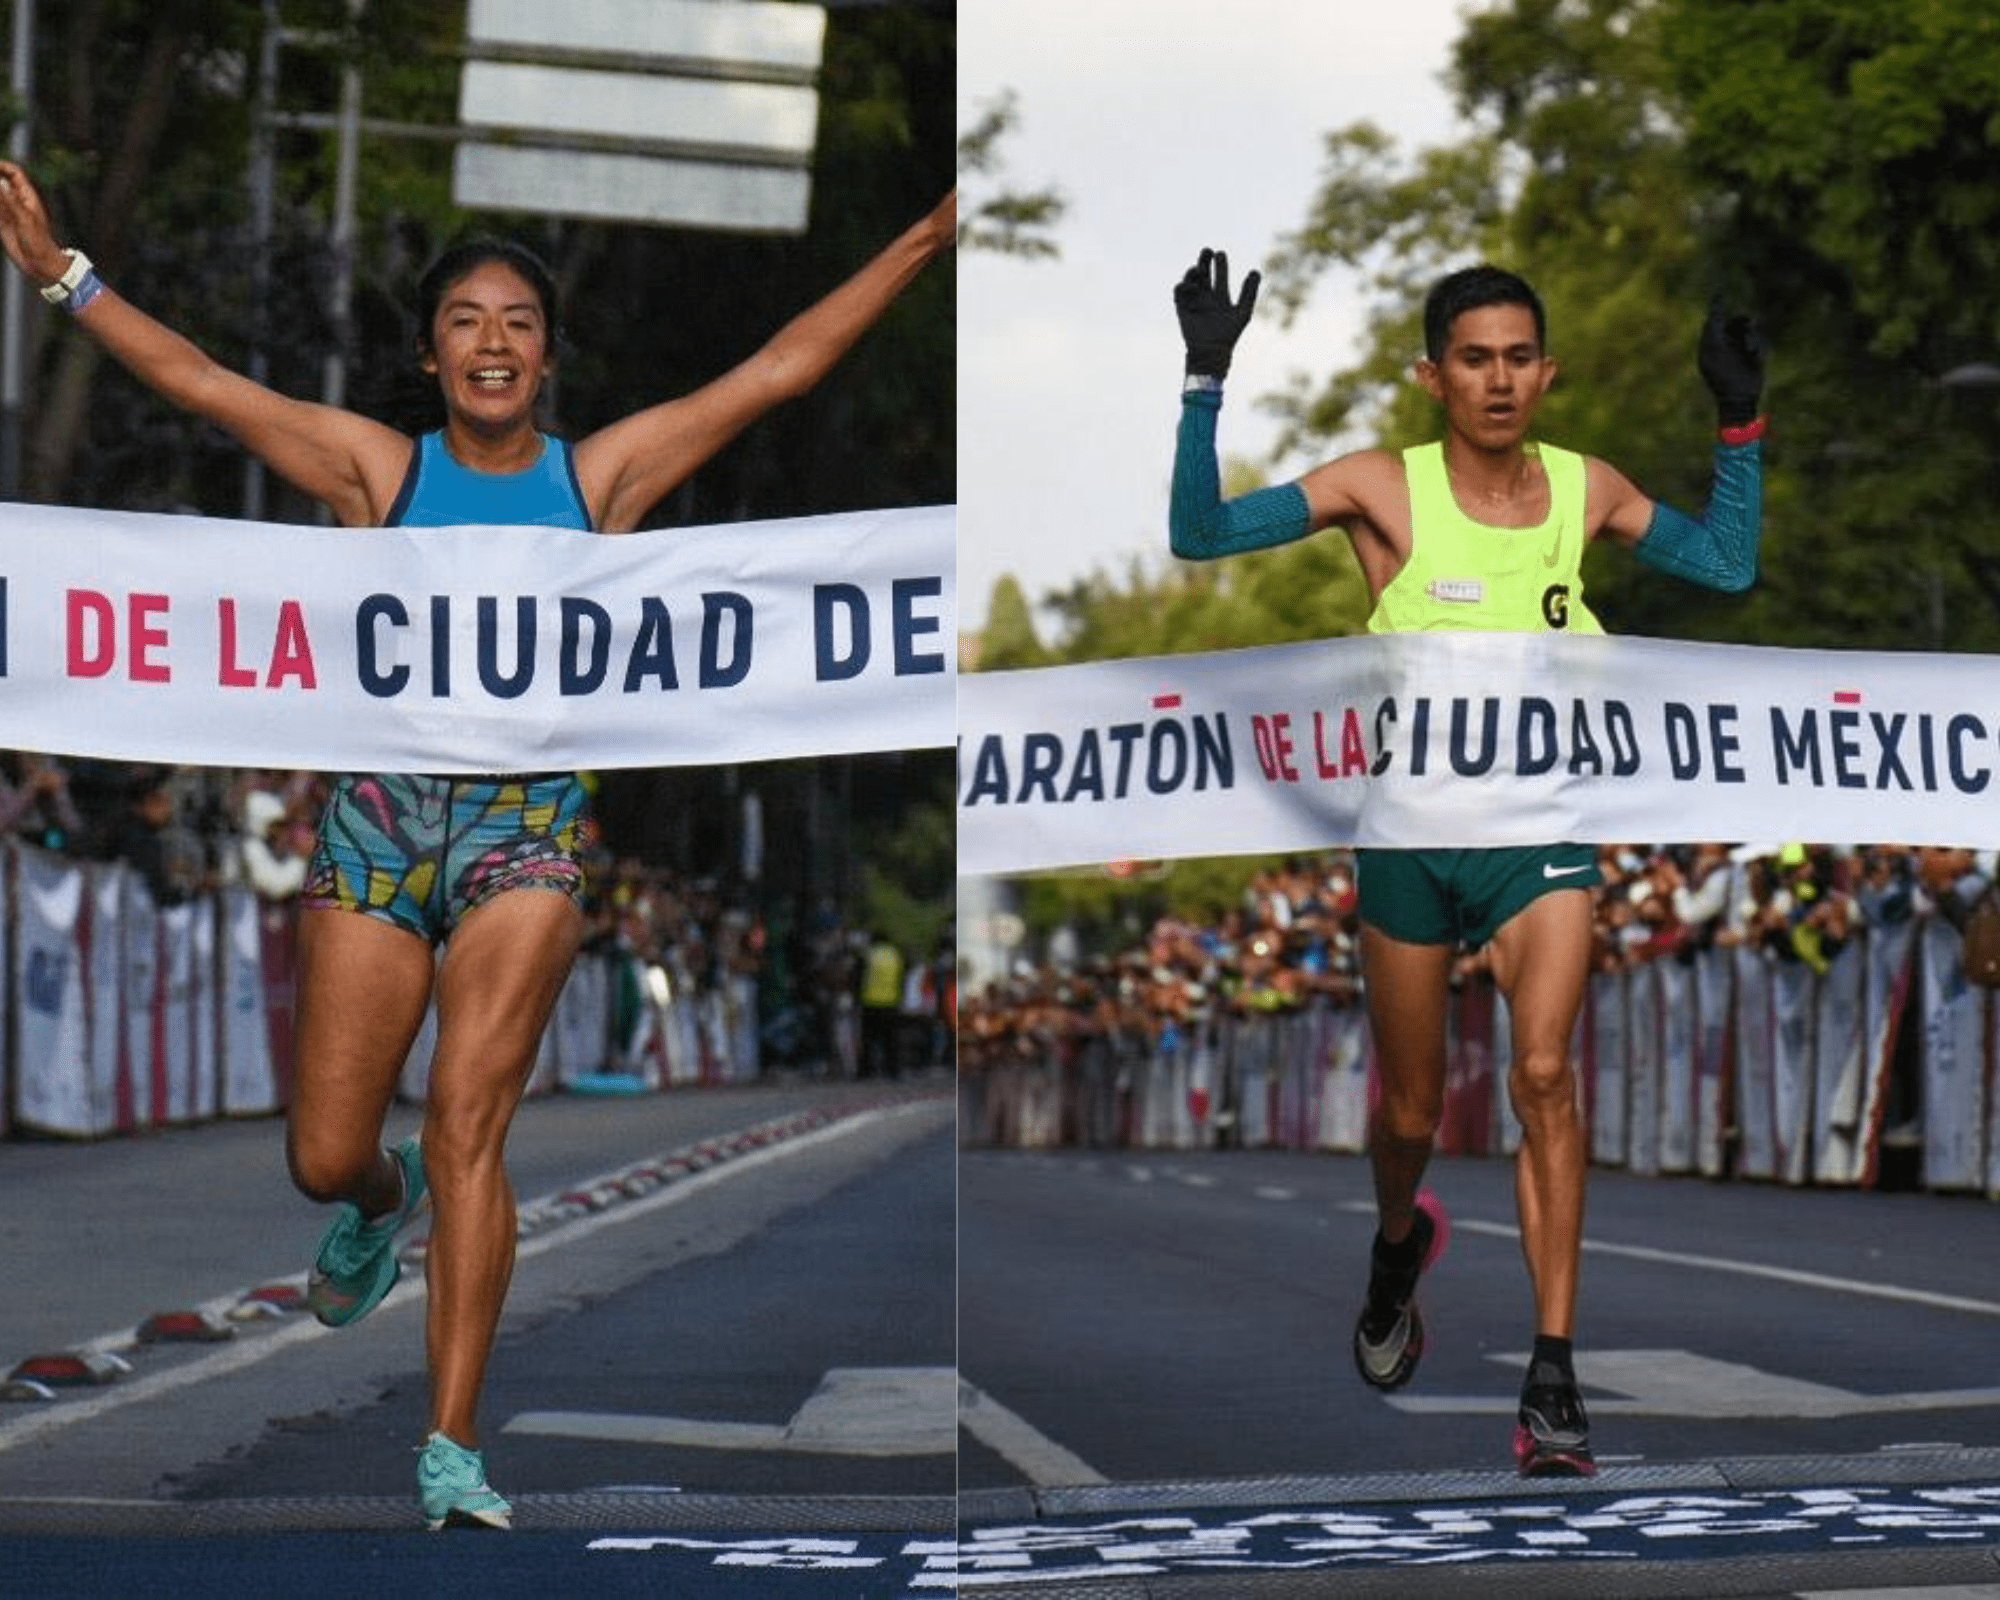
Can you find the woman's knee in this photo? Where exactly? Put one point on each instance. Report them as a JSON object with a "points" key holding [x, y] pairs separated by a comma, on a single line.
{"points": [[463, 1135], [327, 1167]]}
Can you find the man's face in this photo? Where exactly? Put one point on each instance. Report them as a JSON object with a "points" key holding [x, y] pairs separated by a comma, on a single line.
{"points": [[1491, 376]]}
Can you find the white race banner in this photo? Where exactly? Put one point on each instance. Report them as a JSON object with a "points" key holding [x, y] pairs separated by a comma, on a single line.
{"points": [[1472, 739], [198, 641]]}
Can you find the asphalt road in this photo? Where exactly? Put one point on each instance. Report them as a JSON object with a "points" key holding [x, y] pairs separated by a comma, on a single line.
{"points": [[788, 1341], [1167, 1335], [727, 1355]]}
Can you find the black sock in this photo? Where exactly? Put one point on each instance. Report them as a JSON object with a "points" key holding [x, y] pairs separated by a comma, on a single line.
{"points": [[1405, 1252], [1551, 1352]]}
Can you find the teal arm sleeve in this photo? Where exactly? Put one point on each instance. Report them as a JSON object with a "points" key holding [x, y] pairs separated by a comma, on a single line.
{"points": [[1200, 523], [1720, 550]]}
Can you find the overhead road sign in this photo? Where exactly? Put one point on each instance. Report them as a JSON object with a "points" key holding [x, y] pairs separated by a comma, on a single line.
{"points": [[695, 113]]}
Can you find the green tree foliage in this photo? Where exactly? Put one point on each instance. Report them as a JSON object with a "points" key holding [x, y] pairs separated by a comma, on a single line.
{"points": [[1008, 639], [906, 841], [1848, 146], [141, 137], [1830, 162], [1007, 221]]}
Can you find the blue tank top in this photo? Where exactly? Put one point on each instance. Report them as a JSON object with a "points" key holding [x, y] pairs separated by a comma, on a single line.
{"points": [[438, 493]]}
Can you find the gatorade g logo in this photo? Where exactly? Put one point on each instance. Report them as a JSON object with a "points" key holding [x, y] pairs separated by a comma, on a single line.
{"points": [[1555, 605]]}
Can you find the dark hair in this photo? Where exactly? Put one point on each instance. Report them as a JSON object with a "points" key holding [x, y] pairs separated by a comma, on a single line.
{"points": [[469, 254], [1467, 290]]}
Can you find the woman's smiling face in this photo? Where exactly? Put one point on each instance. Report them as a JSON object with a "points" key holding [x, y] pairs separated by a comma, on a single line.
{"points": [[489, 345]]}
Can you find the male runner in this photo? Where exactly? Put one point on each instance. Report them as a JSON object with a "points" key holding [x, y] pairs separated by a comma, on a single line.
{"points": [[1485, 529]]}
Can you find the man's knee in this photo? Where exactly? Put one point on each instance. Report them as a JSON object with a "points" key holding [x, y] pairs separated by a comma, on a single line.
{"points": [[1541, 1082], [1410, 1114]]}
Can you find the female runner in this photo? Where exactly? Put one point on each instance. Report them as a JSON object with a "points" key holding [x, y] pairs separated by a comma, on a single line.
{"points": [[489, 866]]}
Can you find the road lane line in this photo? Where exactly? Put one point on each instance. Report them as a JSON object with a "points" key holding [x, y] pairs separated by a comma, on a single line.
{"points": [[855, 1411], [233, 1357], [1748, 1269], [1045, 1464]]}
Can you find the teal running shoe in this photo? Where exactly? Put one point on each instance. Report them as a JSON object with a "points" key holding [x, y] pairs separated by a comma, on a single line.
{"points": [[356, 1265], [452, 1488]]}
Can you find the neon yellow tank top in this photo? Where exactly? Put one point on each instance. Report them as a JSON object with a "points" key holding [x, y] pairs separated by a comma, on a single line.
{"points": [[1465, 574]]}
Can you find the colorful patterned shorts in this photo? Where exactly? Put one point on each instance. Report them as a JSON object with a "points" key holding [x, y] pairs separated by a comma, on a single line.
{"points": [[422, 851]]}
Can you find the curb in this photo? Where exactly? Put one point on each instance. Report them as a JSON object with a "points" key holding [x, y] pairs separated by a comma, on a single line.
{"points": [[47, 1376]]}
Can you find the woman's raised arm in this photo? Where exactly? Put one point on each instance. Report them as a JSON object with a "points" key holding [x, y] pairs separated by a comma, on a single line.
{"points": [[352, 464], [628, 467]]}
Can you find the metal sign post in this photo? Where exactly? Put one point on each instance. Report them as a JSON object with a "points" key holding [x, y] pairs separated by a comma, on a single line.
{"points": [[13, 291]]}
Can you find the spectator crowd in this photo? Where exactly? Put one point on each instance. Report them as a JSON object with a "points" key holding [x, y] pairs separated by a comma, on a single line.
{"points": [[797, 974], [1293, 939]]}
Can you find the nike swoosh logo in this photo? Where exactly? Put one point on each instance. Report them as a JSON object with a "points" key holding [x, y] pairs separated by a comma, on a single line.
{"points": [[1551, 870], [1555, 550]]}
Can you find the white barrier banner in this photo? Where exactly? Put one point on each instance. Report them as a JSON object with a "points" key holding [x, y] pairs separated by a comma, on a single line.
{"points": [[145, 1040], [1793, 992], [1891, 977], [1955, 1065], [198, 641], [110, 1063], [1472, 739], [52, 1091], [190, 1075], [249, 1086], [1839, 1062]]}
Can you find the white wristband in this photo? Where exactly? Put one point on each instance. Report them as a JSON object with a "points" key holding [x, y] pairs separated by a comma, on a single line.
{"points": [[58, 292]]}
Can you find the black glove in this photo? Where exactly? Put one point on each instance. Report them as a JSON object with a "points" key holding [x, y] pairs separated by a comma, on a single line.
{"points": [[1731, 357], [1210, 322]]}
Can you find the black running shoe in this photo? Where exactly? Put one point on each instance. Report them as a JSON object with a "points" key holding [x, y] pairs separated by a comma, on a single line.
{"points": [[1552, 1437], [1389, 1334]]}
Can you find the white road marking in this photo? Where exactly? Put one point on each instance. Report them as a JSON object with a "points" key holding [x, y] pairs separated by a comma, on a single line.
{"points": [[1749, 1269], [229, 1358], [1679, 1383], [856, 1411], [1030, 1452], [1956, 1591]]}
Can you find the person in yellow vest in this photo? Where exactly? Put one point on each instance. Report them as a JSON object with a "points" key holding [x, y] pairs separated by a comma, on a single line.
{"points": [[881, 1008], [1483, 529]]}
